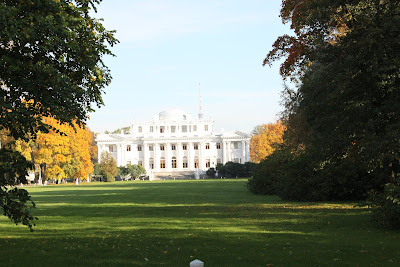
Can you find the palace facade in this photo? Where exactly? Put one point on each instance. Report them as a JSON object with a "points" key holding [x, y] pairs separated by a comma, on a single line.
{"points": [[174, 144]]}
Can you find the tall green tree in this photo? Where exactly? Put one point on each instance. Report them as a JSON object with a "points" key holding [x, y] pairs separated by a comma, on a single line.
{"points": [[108, 167], [345, 58], [51, 58]]}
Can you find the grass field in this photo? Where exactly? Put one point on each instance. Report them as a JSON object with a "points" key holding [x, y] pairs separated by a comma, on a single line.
{"points": [[171, 223]]}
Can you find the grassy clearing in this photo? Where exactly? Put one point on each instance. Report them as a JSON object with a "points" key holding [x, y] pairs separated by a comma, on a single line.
{"points": [[171, 223]]}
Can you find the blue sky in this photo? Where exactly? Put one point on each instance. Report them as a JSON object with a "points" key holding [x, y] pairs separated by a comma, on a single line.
{"points": [[167, 47]]}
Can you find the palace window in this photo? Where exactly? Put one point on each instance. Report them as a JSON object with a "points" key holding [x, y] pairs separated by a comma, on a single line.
{"points": [[196, 146], [219, 161], [128, 162], [235, 145], [111, 148], [151, 148], [218, 145], [173, 129], [184, 128], [162, 129], [139, 148], [237, 160], [128, 148], [173, 147], [185, 162], [162, 163], [151, 129], [207, 146], [140, 163], [208, 163], [196, 162], [151, 163], [194, 128], [173, 162], [206, 128], [140, 129], [162, 147], [184, 146]]}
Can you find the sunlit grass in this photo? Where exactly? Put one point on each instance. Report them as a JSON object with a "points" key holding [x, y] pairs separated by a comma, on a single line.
{"points": [[171, 223]]}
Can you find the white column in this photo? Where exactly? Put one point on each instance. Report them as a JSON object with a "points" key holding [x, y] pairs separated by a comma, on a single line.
{"points": [[190, 156], [156, 159], [228, 151], [243, 160], [224, 152], [123, 154], [117, 153], [201, 155], [179, 157], [168, 158], [100, 148], [145, 160], [247, 151]]}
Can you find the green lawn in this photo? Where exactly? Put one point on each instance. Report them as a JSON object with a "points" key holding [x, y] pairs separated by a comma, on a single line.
{"points": [[171, 223]]}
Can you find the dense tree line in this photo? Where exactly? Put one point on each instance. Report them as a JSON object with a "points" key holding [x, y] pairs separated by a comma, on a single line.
{"points": [[231, 170], [343, 123]]}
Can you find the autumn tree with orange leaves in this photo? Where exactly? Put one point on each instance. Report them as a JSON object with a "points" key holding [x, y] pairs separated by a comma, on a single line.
{"points": [[64, 152], [264, 140]]}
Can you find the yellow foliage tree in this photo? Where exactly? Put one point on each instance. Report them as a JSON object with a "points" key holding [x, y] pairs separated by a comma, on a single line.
{"points": [[264, 139], [64, 150]]}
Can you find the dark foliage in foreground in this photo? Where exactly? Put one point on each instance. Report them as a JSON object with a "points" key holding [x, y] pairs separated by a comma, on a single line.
{"points": [[386, 207], [15, 202], [232, 170], [51, 65], [343, 122]]}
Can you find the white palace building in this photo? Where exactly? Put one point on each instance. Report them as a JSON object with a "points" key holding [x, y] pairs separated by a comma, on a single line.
{"points": [[175, 145]]}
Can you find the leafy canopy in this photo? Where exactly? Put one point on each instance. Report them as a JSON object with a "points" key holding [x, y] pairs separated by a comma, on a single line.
{"points": [[265, 139], [51, 64], [108, 166], [342, 137], [50, 55]]}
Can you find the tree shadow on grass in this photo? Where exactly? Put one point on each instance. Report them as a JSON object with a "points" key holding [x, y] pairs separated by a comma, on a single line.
{"points": [[170, 224], [169, 246]]}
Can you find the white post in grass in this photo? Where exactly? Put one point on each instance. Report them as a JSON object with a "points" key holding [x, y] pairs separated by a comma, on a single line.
{"points": [[196, 263]]}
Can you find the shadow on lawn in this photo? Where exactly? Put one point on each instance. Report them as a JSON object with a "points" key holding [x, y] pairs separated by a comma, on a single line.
{"points": [[171, 192], [216, 244], [249, 219], [148, 247], [172, 223]]}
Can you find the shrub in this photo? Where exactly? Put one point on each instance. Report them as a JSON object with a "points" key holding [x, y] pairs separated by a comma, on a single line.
{"points": [[108, 177], [267, 174], [211, 173], [386, 207], [96, 169], [235, 170], [309, 176]]}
